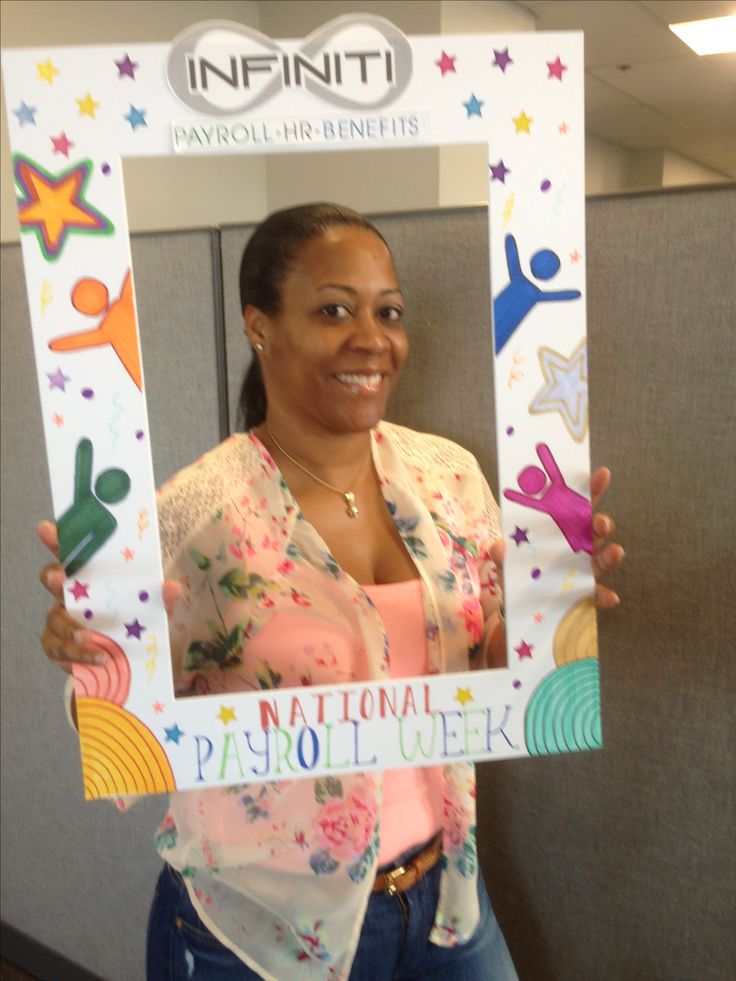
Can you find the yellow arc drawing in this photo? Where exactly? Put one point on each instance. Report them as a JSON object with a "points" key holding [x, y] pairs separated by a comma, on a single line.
{"points": [[120, 755]]}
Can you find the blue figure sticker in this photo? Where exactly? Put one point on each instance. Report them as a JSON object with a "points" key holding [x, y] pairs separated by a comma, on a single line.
{"points": [[521, 295], [87, 524]]}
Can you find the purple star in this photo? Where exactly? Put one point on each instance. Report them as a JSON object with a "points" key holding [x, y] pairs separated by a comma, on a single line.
{"points": [[499, 171], [58, 379], [134, 629], [524, 650], [520, 535], [501, 59], [127, 67]]}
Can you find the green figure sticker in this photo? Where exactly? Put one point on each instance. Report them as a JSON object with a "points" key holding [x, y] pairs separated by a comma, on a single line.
{"points": [[87, 524]]}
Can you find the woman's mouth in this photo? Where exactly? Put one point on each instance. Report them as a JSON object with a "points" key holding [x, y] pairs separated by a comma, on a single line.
{"points": [[360, 384]]}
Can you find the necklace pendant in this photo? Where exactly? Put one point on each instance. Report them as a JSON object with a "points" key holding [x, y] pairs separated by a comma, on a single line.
{"points": [[350, 502]]}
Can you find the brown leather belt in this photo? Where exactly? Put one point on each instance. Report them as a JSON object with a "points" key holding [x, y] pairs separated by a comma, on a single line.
{"points": [[403, 877]]}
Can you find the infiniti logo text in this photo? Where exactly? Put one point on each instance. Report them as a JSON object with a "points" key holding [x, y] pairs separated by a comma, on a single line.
{"points": [[356, 62]]}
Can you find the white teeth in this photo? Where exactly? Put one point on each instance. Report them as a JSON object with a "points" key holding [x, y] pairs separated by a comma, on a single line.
{"points": [[364, 381]]}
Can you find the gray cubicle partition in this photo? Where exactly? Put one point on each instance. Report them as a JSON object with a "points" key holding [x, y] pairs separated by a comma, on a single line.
{"points": [[617, 864]]}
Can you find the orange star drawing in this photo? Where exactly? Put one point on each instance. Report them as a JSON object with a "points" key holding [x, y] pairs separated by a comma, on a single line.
{"points": [[128, 554], [54, 206], [117, 327], [57, 419]]}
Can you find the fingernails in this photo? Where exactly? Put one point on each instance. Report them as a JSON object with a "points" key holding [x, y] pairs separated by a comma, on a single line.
{"points": [[80, 638], [101, 659]]}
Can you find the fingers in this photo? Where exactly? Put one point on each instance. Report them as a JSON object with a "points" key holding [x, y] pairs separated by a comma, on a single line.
{"points": [[49, 536], [605, 598], [65, 642], [600, 481], [498, 552], [53, 578], [607, 558], [171, 592]]}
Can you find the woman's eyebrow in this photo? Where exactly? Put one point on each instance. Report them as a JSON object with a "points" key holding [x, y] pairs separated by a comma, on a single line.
{"points": [[353, 291]]}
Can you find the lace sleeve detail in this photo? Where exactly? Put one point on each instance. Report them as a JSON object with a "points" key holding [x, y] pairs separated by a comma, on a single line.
{"points": [[189, 499]]}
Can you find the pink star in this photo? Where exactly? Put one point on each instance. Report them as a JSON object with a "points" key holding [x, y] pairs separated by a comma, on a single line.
{"points": [[57, 419], [62, 144], [446, 63], [538, 617], [524, 650], [501, 59], [556, 68], [575, 256], [79, 589], [128, 554], [158, 707], [563, 128], [126, 67]]}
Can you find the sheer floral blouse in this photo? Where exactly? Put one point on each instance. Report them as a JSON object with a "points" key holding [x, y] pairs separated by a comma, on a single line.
{"points": [[281, 873]]}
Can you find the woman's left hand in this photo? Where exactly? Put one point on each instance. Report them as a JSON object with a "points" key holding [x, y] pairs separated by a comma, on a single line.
{"points": [[606, 554]]}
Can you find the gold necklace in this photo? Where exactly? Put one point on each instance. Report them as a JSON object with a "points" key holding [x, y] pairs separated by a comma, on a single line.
{"points": [[350, 505]]}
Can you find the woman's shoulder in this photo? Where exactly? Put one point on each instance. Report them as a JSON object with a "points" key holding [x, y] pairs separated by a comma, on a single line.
{"points": [[427, 450], [189, 498]]}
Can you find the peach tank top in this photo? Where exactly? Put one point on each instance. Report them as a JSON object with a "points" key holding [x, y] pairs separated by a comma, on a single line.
{"points": [[412, 796]]}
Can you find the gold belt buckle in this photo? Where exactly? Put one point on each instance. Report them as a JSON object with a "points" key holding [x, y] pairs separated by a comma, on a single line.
{"points": [[391, 876]]}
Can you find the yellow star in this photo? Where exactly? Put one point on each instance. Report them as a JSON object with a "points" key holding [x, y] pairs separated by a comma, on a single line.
{"points": [[46, 71], [464, 695], [522, 122], [226, 714], [88, 106]]}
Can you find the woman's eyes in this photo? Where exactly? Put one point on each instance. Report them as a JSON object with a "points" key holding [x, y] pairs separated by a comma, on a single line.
{"points": [[339, 311]]}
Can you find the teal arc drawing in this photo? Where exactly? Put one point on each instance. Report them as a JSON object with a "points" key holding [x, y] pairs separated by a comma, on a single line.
{"points": [[564, 713]]}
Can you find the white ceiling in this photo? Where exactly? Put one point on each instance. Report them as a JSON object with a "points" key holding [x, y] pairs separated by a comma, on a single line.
{"points": [[645, 88]]}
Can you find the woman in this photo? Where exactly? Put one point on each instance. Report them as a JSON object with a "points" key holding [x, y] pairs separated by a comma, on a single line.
{"points": [[311, 550]]}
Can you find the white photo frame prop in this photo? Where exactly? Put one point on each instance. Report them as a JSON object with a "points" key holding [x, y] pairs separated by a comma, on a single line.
{"points": [[357, 83]]}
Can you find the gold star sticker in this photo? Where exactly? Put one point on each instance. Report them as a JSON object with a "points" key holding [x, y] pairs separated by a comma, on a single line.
{"points": [[522, 122], [226, 714], [46, 71], [88, 106], [464, 695]]}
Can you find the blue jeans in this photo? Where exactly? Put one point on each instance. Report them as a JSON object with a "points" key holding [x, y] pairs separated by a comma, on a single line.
{"points": [[393, 942]]}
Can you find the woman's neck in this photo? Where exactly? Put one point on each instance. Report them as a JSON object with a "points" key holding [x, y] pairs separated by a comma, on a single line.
{"points": [[338, 458]]}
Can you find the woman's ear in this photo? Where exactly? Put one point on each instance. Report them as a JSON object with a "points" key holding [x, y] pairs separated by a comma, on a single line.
{"points": [[256, 323]]}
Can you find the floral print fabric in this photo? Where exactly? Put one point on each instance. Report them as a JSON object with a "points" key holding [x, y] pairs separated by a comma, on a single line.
{"points": [[281, 872]]}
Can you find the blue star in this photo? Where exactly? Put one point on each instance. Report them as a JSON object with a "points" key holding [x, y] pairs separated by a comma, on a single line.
{"points": [[26, 114], [136, 117], [473, 106], [173, 733]]}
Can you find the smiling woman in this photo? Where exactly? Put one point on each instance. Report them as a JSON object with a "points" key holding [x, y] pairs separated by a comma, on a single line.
{"points": [[324, 547]]}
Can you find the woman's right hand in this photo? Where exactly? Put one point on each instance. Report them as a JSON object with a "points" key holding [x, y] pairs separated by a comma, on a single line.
{"points": [[64, 641]]}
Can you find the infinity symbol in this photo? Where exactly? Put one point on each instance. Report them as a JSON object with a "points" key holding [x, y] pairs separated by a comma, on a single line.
{"points": [[286, 70]]}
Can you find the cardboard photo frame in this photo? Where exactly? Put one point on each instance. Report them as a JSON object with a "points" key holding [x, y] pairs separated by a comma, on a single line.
{"points": [[356, 83]]}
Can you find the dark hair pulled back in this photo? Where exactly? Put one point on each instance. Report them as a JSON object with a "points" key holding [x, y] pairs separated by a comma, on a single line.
{"points": [[266, 262]]}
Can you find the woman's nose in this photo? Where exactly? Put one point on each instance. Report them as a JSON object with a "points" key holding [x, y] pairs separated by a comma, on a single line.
{"points": [[371, 332]]}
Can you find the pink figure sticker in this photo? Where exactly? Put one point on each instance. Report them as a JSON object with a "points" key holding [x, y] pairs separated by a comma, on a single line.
{"points": [[546, 490]]}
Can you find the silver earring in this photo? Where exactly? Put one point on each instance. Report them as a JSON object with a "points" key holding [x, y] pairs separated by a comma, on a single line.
{"points": [[258, 346]]}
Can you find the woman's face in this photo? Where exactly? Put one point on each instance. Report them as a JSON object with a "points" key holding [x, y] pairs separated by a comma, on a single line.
{"points": [[334, 353]]}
